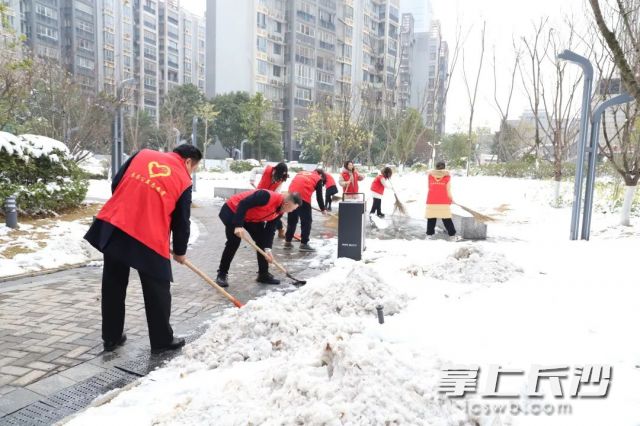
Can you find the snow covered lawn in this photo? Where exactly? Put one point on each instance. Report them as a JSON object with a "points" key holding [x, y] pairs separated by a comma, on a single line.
{"points": [[46, 243], [527, 296]]}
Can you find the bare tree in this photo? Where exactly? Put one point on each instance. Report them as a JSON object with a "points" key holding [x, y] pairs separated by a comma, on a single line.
{"points": [[503, 138], [473, 96]]}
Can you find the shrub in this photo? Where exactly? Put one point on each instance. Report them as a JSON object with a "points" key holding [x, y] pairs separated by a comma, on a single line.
{"points": [[41, 173], [240, 166], [419, 167], [294, 169]]}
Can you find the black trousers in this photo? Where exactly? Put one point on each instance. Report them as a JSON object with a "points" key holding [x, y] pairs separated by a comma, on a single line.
{"points": [[304, 213], [258, 232], [448, 224], [157, 303], [377, 205], [328, 195], [279, 224]]}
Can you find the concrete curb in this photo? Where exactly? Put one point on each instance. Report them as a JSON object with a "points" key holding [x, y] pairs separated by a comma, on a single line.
{"points": [[47, 271]]}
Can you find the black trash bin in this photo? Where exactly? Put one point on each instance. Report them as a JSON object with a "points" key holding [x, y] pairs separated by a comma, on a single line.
{"points": [[351, 226]]}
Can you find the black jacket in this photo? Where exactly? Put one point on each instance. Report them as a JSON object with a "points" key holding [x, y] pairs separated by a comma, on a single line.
{"points": [[235, 220], [113, 242]]}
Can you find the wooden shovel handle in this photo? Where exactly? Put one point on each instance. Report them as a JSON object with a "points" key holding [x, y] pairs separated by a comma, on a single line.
{"points": [[213, 284], [262, 252]]}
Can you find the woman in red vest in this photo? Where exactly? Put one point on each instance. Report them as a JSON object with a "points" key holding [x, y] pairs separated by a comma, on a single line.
{"points": [[272, 179], [304, 183], [377, 190], [439, 201], [151, 200], [349, 178], [256, 211]]}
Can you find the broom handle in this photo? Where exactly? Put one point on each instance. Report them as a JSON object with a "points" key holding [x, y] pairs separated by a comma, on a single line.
{"points": [[329, 213], [212, 283], [262, 252]]}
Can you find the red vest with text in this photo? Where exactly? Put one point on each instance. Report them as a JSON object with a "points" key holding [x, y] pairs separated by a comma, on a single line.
{"points": [[330, 181], [304, 183], [438, 190], [146, 197], [377, 186], [266, 213], [353, 185], [266, 180]]}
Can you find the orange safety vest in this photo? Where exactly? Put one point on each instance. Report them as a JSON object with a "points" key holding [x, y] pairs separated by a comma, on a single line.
{"points": [[304, 183], [438, 190], [266, 181], [377, 186], [353, 186]]}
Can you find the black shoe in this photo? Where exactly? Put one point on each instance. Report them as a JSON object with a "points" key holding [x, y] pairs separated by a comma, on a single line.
{"points": [[176, 343], [111, 346], [221, 280], [288, 245], [306, 247], [267, 279], [381, 215]]}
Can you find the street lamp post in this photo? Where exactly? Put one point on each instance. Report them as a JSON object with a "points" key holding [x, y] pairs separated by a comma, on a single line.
{"points": [[242, 148], [118, 130], [194, 142]]}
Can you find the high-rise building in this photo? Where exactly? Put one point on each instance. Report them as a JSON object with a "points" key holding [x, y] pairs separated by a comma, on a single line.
{"points": [[421, 11], [302, 52], [150, 45], [407, 40]]}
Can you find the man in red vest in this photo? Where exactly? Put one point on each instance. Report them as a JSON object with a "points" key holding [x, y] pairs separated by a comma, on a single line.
{"points": [[256, 211], [349, 178], [151, 199], [305, 184], [272, 179]]}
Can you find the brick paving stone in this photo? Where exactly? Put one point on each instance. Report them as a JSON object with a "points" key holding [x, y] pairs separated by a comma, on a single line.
{"points": [[14, 370], [39, 365], [28, 378]]}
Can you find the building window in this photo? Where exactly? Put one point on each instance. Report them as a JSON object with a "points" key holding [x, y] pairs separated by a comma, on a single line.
{"points": [[262, 20], [85, 63], [279, 27], [276, 71], [85, 44], [45, 32], [84, 26], [306, 30], [304, 75], [262, 67], [262, 44], [304, 94], [277, 49], [84, 8], [46, 12]]}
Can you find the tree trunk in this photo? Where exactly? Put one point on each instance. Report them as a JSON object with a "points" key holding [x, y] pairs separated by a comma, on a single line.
{"points": [[625, 214]]}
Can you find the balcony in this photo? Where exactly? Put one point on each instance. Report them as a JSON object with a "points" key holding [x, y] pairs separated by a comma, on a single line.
{"points": [[305, 16], [327, 25]]}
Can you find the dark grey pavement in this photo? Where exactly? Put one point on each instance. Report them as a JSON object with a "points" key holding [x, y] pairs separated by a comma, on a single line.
{"points": [[50, 325]]}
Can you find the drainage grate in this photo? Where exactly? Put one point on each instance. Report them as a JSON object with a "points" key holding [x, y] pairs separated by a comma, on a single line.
{"points": [[37, 413], [144, 364]]}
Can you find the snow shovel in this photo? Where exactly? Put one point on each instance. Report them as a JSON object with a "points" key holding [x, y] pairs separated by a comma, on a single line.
{"points": [[213, 284], [476, 215], [275, 262]]}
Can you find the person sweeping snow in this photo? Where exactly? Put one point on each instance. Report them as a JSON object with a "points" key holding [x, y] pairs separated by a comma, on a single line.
{"points": [[330, 191], [272, 179], [305, 184], [439, 201], [257, 212], [151, 200], [377, 190]]}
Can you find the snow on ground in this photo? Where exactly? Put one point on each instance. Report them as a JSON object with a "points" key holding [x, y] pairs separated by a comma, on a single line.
{"points": [[527, 296]]}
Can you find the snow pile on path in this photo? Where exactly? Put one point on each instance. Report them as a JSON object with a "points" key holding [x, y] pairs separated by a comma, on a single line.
{"points": [[474, 264], [301, 358]]}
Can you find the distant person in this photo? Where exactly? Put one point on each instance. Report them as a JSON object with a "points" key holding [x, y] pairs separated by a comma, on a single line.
{"points": [[272, 179], [377, 190], [257, 212], [349, 178], [151, 200], [305, 184], [439, 201], [330, 191]]}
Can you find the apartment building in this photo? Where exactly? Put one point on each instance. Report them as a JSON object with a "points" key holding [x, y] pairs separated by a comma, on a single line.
{"points": [[407, 41]]}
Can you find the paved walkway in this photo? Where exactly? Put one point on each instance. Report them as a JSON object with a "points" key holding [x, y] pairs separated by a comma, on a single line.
{"points": [[50, 325]]}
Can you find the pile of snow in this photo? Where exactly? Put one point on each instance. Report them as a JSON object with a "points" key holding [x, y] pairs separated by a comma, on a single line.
{"points": [[474, 264]]}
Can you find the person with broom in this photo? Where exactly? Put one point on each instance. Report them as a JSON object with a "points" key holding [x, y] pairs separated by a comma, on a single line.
{"points": [[305, 183], [377, 190], [272, 179], [151, 200], [255, 211], [349, 178], [330, 191], [439, 201]]}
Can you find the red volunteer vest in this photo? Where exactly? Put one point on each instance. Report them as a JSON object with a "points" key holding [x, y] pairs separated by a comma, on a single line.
{"points": [[266, 182], [266, 213], [146, 197], [438, 190], [377, 186], [353, 186], [304, 183], [330, 180]]}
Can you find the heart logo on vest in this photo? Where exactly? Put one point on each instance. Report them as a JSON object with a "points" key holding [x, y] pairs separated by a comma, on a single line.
{"points": [[158, 170]]}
